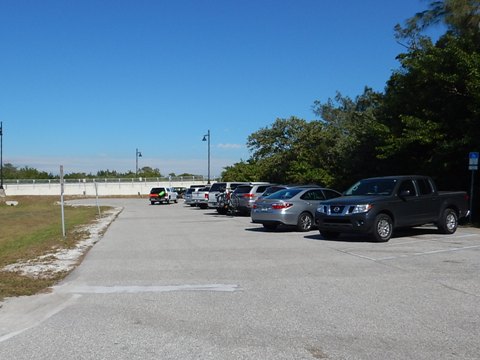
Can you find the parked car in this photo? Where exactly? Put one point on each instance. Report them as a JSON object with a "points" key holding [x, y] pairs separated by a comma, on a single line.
{"points": [[293, 206], [219, 188], [180, 190], [377, 206], [188, 196], [162, 195], [247, 194], [200, 197]]}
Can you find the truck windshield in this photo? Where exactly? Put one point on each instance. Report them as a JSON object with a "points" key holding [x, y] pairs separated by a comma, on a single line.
{"points": [[372, 187]]}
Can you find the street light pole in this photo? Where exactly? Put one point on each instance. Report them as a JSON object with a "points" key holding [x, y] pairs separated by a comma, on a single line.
{"points": [[205, 138], [137, 155]]}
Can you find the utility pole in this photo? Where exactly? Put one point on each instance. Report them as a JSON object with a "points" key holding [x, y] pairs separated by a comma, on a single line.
{"points": [[205, 138], [137, 155]]}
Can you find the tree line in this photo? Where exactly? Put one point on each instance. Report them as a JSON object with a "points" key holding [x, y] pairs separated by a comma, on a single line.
{"points": [[13, 172], [426, 121]]}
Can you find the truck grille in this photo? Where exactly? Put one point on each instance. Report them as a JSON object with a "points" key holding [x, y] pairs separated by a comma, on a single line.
{"points": [[339, 210]]}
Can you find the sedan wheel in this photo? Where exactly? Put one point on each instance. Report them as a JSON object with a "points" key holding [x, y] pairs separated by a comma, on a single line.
{"points": [[305, 222]]}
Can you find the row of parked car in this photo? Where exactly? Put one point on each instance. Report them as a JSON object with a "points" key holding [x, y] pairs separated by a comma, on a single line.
{"points": [[268, 204], [373, 206]]}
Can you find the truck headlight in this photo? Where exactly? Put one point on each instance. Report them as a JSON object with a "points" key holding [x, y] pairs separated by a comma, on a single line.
{"points": [[322, 209], [358, 209]]}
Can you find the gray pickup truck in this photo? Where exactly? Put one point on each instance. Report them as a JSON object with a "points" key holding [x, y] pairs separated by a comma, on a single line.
{"points": [[377, 206], [200, 197]]}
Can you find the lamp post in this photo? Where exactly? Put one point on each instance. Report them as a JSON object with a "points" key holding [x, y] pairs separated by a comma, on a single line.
{"points": [[137, 155], [205, 138]]}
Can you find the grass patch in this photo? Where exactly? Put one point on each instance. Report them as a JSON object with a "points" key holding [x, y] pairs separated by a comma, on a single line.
{"points": [[31, 229]]}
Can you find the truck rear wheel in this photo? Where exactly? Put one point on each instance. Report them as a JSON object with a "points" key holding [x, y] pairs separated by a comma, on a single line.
{"points": [[382, 228], [448, 222]]}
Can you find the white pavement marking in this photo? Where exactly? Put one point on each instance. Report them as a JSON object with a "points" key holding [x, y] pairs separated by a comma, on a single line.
{"points": [[149, 289], [429, 252]]}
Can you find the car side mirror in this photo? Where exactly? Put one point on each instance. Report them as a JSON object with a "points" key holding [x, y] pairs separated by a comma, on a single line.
{"points": [[404, 193]]}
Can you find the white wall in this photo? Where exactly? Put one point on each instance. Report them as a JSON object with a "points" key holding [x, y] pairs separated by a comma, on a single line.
{"points": [[104, 188]]}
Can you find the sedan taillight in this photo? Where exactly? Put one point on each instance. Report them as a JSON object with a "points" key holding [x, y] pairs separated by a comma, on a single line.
{"points": [[280, 206]]}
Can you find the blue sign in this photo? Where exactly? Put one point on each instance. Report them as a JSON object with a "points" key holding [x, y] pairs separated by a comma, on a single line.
{"points": [[473, 161]]}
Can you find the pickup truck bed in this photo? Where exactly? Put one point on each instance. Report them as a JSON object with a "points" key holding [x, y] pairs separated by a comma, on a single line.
{"points": [[200, 197]]}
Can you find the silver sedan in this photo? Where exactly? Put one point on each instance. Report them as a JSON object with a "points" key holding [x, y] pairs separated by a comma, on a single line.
{"points": [[292, 207]]}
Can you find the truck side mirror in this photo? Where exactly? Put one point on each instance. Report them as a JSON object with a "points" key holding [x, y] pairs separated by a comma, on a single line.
{"points": [[404, 193]]}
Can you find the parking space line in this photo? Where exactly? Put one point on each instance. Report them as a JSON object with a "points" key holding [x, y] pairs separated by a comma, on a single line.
{"points": [[428, 252]]}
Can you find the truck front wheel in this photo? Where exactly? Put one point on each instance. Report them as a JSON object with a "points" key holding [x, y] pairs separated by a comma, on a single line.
{"points": [[448, 222], [382, 228]]}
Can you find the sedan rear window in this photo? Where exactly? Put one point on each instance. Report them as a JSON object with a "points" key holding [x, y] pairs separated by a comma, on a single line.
{"points": [[272, 189], [284, 194]]}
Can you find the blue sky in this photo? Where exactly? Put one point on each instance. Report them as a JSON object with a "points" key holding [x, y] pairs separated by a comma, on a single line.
{"points": [[84, 83]]}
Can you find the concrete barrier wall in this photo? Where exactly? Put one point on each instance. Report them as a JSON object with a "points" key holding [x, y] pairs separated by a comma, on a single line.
{"points": [[100, 188]]}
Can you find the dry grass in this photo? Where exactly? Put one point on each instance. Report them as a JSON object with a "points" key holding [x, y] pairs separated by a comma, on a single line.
{"points": [[31, 229]]}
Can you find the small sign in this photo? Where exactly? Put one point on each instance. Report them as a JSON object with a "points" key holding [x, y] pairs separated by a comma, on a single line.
{"points": [[473, 161]]}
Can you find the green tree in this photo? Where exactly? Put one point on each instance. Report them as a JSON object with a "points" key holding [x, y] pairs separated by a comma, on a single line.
{"points": [[351, 135], [241, 171], [9, 171], [432, 110], [289, 151], [148, 172]]}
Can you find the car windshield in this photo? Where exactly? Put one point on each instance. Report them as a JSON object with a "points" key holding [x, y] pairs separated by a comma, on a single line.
{"points": [[372, 187], [284, 194]]}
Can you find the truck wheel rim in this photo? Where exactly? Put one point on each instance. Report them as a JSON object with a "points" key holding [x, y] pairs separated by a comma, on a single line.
{"points": [[451, 222], [383, 228]]}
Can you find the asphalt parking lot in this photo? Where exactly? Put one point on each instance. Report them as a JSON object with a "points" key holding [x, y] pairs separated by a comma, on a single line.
{"points": [[175, 282]]}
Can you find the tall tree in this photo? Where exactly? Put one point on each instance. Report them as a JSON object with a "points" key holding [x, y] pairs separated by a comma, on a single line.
{"points": [[462, 18], [272, 147], [432, 108], [352, 134]]}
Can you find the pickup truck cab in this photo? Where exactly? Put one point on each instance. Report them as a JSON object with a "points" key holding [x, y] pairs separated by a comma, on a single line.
{"points": [[377, 206]]}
